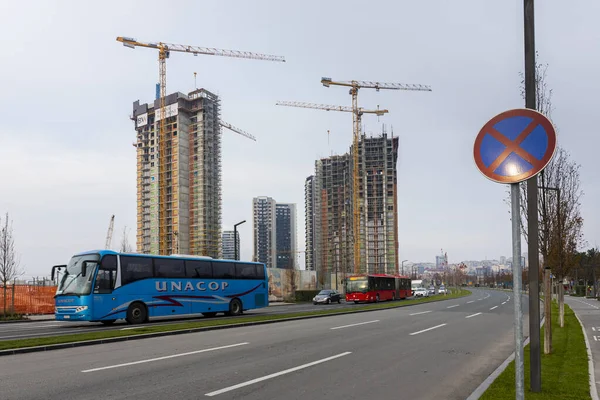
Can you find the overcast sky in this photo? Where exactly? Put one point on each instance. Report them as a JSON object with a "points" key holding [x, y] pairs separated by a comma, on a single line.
{"points": [[67, 163]]}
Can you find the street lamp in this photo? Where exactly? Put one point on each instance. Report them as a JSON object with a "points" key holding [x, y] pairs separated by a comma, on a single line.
{"points": [[235, 241], [403, 261]]}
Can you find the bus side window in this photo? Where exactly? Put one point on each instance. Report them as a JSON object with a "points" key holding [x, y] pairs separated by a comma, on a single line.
{"points": [[245, 271], [198, 269], [136, 268], [223, 270], [167, 268], [107, 274]]}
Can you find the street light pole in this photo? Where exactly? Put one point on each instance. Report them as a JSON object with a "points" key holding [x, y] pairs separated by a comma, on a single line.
{"points": [[235, 240], [403, 261]]}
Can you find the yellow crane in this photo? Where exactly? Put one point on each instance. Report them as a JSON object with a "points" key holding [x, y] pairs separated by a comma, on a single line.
{"points": [[164, 51], [357, 112]]}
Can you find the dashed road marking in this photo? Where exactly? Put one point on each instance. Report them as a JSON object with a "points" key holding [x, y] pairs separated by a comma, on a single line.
{"points": [[493, 307], [428, 329], [473, 315]]}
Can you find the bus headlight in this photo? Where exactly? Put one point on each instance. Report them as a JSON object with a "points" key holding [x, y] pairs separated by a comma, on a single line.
{"points": [[81, 308]]}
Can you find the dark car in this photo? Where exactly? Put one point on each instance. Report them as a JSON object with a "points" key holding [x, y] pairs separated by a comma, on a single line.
{"points": [[327, 296]]}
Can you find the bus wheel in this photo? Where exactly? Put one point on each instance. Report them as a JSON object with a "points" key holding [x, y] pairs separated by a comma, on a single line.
{"points": [[136, 313], [209, 314], [108, 321], [235, 307]]}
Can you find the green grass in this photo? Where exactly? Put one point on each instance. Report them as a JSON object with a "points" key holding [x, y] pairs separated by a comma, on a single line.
{"points": [[564, 372], [144, 329], [12, 317]]}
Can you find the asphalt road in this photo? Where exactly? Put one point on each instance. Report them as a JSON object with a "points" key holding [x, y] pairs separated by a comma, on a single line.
{"points": [[24, 330], [439, 350], [588, 311]]}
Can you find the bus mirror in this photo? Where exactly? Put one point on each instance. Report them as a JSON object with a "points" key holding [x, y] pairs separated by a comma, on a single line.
{"points": [[84, 267], [54, 268]]}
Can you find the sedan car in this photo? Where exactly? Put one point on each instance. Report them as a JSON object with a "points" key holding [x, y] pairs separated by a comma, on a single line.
{"points": [[431, 290], [327, 296], [442, 290], [421, 292]]}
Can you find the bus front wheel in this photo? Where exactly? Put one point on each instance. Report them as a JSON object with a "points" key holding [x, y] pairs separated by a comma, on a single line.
{"points": [[235, 307], [137, 313]]}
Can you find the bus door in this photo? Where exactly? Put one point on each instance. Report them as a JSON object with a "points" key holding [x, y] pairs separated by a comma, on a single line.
{"points": [[104, 301]]}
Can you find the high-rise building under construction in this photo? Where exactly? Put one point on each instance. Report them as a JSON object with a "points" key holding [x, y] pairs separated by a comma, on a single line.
{"points": [[179, 194], [332, 202]]}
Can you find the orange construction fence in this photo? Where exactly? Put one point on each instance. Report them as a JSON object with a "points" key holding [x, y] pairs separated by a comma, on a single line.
{"points": [[27, 299]]}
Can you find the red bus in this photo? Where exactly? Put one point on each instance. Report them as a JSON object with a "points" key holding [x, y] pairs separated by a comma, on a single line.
{"points": [[377, 287]]}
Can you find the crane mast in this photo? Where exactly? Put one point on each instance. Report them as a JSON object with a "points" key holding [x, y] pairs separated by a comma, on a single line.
{"points": [[109, 234], [354, 86], [164, 50]]}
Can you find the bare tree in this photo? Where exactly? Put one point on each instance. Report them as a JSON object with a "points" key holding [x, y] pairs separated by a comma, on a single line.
{"points": [[10, 265], [560, 233], [125, 246]]}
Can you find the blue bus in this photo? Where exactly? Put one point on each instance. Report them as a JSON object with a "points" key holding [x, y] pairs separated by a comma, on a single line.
{"points": [[103, 286]]}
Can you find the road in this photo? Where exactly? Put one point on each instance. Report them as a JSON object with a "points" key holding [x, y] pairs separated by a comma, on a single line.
{"points": [[24, 330], [588, 311], [440, 350]]}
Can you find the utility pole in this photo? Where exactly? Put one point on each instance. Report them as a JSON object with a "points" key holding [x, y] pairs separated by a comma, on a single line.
{"points": [[532, 210], [235, 239], [403, 261]]}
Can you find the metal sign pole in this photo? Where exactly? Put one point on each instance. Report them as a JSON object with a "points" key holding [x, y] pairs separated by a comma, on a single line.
{"points": [[516, 262]]}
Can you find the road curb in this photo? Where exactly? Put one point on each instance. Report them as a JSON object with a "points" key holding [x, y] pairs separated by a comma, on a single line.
{"points": [[593, 389], [480, 390], [191, 330]]}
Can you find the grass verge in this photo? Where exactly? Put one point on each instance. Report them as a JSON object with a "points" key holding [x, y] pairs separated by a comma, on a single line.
{"points": [[564, 372], [12, 317], [145, 329]]}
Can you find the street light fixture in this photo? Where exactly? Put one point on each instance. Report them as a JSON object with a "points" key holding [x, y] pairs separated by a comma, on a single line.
{"points": [[403, 261], [235, 241]]}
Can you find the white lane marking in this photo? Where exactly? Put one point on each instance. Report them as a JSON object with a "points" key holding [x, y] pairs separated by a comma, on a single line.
{"points": [[596, 338], [275, 375], [360, 323], [165, 357], [472, 301], [594, 329], [504, 303], [479, 299], [428, 329], [473, 315], [493, 307], [456, 305], [422, 312]]}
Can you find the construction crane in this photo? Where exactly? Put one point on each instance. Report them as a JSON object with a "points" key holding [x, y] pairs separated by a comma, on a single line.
{"points": [[354, 86], [236, 130], [327, 107], [109, 234], [357, 112], [164, 51]]}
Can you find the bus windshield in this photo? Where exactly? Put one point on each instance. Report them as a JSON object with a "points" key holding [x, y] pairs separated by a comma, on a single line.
{"points": [[72, 282], [356, 286]]}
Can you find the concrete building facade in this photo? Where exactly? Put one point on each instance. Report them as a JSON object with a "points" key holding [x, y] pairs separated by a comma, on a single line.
{"points": [[230, 244], [264, 231], [179, 175], [286, 245], [309, 222]]}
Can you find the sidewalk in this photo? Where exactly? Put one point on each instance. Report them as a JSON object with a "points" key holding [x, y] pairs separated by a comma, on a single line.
{"points": [[588, 311]]}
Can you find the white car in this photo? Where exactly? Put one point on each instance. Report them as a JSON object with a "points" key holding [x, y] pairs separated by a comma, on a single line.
{"points": [[421, 292], [442, 290]]}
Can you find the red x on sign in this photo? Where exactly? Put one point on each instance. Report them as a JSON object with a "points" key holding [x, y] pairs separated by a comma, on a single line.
{"points": [[514, 146]]}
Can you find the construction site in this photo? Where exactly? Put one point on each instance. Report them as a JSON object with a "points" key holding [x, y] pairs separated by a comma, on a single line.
{"points": [[179, 188], [329, 211]]}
